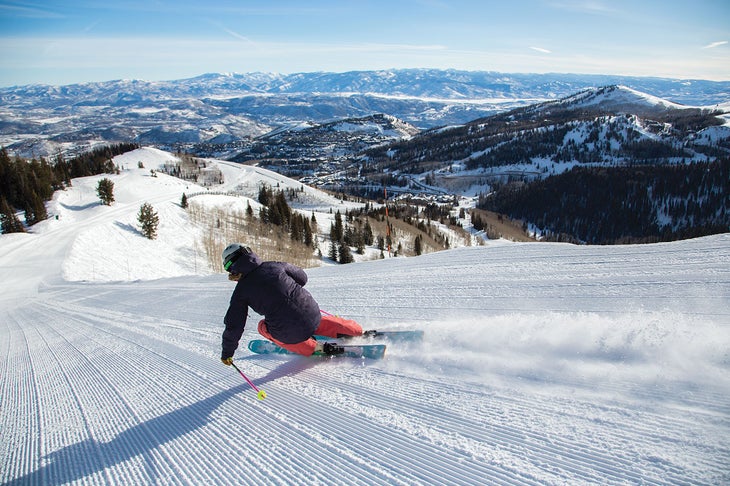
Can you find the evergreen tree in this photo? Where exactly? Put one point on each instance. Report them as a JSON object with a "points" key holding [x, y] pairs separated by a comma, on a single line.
{"points": [[9, 221], [308, 236], [282, 209], [28, 211], [149, 221], [6, 173], [265, 195], [40, 209], [345, 254], [367, 233], [418, 245], [35, 210], [337, 231], [360, 247], [184, 201], [296, 228], [105, 191], [61, 175]]}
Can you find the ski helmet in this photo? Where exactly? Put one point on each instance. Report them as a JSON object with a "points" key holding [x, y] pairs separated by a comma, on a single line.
{"points": [[232, 253]]}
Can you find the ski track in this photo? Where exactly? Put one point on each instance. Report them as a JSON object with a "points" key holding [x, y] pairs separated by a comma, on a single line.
{"points": [[21, 423], [325, 421]]}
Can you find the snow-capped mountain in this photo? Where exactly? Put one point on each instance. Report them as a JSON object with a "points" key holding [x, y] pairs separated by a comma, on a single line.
{"points": [[614, 100], [617, 98], [608, 125], [41, 120], [541, 363]]}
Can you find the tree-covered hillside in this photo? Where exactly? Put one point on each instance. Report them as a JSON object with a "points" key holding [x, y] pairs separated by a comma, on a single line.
{"points": [[610, 125], [606, 205], [26, 185]]}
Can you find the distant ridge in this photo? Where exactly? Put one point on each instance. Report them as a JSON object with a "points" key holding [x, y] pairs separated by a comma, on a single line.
{"points": [[43, 120], [422, 83], [617, 98]]}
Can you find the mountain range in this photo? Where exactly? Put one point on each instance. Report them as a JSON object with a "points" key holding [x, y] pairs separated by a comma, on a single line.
{"points": [[43, 120], [610, 125]]}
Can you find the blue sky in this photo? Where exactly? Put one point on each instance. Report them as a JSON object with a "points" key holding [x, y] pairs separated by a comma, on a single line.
{"points": [[70, 41]]}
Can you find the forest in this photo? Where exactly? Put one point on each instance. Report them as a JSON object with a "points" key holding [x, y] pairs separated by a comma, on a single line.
{"points": [[26, 186], [630, 204]]}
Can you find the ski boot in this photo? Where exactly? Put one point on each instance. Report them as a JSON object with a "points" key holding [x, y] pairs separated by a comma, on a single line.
{"points": [[328, 349]]}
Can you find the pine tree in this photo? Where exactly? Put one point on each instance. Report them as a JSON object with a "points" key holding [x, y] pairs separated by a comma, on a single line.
{"points": [[6, 174], [149, 221], [367, 233], [105, 191], [345, 254], [266, 195], [337, 231], [296, 228], [28, 211], [314, 223], [35, 210], [418, 246], [9, 221], [60, 169], [282, 207], [184, 201], [308, 236]]}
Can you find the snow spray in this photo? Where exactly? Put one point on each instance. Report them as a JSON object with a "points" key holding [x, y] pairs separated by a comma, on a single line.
{"points": [[261, 394]]}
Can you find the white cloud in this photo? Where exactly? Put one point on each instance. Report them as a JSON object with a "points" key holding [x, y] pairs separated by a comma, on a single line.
{"points": [[28, 11], [541, 49], [584, 6], [236, 35], [715, 44]]}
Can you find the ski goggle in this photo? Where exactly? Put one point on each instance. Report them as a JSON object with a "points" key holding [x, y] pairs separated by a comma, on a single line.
{"points": [[235, 256]]}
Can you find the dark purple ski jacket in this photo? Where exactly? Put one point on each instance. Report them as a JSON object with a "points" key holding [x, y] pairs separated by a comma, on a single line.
{"points": [[276, 291]]}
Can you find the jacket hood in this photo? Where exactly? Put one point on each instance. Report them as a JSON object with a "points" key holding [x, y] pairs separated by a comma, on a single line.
{"points": [[246, 264]]}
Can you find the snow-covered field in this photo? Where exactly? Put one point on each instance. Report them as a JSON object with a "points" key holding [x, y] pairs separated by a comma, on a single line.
{"points": [[542, 363]]}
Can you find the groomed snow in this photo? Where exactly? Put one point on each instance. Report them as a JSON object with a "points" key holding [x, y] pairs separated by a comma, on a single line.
{"points": [[542, 363]]}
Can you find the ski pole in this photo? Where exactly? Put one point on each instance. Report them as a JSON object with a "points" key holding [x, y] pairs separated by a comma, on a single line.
{"points": [[261, 394]]}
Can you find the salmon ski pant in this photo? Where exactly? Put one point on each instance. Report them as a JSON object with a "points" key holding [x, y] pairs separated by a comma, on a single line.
{"points": [[329, 326]]}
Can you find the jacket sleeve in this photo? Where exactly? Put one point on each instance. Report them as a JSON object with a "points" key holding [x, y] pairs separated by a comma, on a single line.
{"points": [[235, 321], [296, 273]]}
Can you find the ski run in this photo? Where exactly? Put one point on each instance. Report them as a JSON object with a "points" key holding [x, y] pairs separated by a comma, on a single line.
{"points": [[541, 363]]}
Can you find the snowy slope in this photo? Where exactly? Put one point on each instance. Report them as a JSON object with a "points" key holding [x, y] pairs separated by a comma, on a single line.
{"points": [[542, 363], [617, 97]]}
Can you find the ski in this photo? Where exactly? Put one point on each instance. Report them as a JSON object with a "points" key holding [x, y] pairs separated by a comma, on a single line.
{"points": [[388, 335], [372, 351]]}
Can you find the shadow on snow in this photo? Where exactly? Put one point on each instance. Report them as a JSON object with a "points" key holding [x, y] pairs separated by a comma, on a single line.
{"points": [[88, 457]]}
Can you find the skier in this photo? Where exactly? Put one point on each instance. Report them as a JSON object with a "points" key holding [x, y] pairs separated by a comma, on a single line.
{"points": [[276, 291]]}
